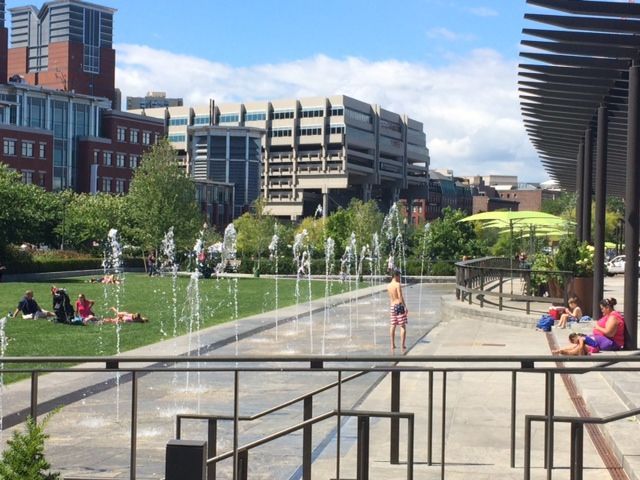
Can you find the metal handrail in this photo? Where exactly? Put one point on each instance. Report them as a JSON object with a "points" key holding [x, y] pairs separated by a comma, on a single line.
{"points": [[541, 364], [474, 276], [577, 438]]}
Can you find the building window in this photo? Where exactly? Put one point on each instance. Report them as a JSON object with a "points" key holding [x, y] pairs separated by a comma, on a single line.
{"points": [[312, 112], [106, 158], [146, 138], [255, 116], [43, 150], [336, 129], [27, 176], [282, 114], [281, 132], [229, 118], [42, 177], [106, 184], [304, 131], [177, 138], [121, 134], [27, 149], [133, 161], [119, 159], [119, 185], [202, 120], [174, 122], [358, 116], [9, 147], [133, 136], [336, 111]]}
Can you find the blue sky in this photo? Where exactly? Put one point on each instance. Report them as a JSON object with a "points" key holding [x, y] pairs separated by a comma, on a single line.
{"points": [[451, 64]]}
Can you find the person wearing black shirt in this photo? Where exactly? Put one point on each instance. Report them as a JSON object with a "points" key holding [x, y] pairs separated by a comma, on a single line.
{"points": [[30, 308]]}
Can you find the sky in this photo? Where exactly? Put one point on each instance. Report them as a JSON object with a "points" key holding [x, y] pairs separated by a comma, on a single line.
{"points": [[450, 64]]}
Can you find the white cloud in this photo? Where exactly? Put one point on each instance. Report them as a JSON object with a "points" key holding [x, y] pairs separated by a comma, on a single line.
{"points": [[446, 34], [469, 107], [482, 11]]}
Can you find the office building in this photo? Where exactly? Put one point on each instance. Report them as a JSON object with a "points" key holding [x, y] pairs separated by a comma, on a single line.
{"points": [[319, 150], [65, 45], [153, 100], [4, 43]]}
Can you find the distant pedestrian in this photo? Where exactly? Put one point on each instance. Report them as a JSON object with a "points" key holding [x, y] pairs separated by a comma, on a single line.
{"points": [[398, 310], [151, 264]]}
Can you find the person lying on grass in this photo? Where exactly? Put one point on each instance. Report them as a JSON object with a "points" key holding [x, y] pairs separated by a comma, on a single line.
{"points": [[125, 317]]}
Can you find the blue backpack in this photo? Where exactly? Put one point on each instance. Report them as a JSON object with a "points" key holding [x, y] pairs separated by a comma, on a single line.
{"points": [[545, 323]]}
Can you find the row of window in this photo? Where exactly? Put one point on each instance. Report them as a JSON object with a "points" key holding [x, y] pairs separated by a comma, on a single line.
{"points": [[107, 159], [31, 177], [260, 116], [121, 136], [305, 131], [27, 148], [107, 183]]}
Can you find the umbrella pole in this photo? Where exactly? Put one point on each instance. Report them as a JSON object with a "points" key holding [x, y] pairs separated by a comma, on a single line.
{"points": [[511, 251]]}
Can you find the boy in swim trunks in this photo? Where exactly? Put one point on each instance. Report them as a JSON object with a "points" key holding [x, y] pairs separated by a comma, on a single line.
{"points": [[398, 310]]}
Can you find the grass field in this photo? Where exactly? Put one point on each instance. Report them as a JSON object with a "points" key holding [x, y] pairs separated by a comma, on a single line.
{"points": [[153, 297]]}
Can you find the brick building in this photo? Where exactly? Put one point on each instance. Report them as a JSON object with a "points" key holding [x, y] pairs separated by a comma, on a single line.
{"points": [[65, 45]]}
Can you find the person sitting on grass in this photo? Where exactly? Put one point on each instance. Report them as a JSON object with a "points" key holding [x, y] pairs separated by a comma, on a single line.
{"points": [[30, 308], [579, 344], [571, 314], [107, 279], [125, 317], [83, 309]]}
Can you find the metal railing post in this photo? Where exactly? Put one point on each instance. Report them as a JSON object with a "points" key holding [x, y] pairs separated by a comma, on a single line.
{"points": [[548, 444], [236, 415], [134, 425], [34, 395], [338, 415], [410, 441], [362, 467], [513, 418], [212, 449], [307, 438], [394, 456], [444, 422], [527, 448], [482, 287], [500, 291], [243, 465], [577, 453], [430, 422]]}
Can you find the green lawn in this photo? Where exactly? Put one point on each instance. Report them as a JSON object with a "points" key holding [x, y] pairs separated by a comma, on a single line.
{"points": [[153, 297]]}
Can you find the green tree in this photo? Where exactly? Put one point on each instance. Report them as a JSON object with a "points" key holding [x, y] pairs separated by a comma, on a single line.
{"points": [[255, 231], [448, 239], [27, 212], [88, 218], [24, 459], [365, 219], [316, 234], [161, 197], [564, 206]]}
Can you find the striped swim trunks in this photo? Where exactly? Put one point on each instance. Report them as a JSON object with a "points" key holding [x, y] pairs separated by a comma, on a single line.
{"points": [[398, 314]]}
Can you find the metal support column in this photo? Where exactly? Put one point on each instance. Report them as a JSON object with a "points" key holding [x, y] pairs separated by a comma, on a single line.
{"points": [[579, 189], [394, 435], [307, 435], [601, 200], [587, 187], [362, 468], [631, 212]]}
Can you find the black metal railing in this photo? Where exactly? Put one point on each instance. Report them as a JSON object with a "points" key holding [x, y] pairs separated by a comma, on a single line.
{"points": [[431, 366], [486, 277]]}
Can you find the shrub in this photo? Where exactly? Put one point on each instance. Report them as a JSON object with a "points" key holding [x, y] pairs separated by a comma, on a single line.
{"points": [[441, 268], [24, 459]]}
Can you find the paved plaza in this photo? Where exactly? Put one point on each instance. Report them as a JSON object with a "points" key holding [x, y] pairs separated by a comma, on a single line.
{"points": [[90, 436]]}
